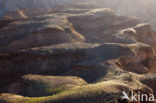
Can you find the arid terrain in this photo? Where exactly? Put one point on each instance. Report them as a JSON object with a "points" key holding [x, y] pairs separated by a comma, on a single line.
{"points": [[74, 54], [143, 9]]}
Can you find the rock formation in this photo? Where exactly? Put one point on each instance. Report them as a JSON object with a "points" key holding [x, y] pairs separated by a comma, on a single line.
{"points": [[74, 56], [144, 10]]}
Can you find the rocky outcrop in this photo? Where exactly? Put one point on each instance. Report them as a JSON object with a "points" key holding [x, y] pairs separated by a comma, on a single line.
{"points": [[149, 80], [32, 33], [102, 25], [66, 28]]}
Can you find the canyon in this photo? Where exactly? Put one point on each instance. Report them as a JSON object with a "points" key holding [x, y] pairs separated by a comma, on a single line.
{"points": [[80, 54]]}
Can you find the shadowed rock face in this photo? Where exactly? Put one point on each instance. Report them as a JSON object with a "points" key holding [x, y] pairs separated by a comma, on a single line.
{"points": [[41, 52]]}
